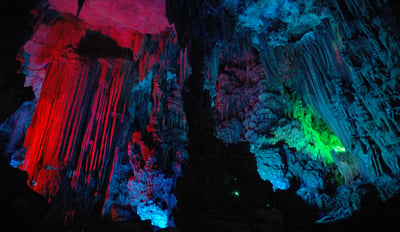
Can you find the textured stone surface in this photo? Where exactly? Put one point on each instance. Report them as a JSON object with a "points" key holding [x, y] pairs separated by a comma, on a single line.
{"points": [[323, 107], [144, 16], [107, 120], [305, 92]]}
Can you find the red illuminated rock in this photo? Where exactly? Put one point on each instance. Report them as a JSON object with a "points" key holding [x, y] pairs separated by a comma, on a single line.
{"points": [[96, 88], [144, 16]]}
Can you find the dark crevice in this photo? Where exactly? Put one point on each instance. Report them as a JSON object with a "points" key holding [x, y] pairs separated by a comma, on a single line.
{"points": [[220, 180], [96, 45], [18, 27]]}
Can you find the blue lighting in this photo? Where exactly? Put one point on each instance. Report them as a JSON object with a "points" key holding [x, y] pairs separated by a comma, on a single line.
{"points": [[152, 212]]}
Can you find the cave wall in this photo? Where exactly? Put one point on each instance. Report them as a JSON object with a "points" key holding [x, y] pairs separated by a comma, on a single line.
{"points": [[311, 85], [132, 97], [106, 132]]}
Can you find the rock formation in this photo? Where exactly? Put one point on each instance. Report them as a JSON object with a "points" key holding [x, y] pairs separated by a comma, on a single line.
{"points": [[211, 113]]}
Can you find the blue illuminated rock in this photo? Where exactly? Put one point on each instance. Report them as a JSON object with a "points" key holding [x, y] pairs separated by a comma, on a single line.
{"points": [[340, 59]]}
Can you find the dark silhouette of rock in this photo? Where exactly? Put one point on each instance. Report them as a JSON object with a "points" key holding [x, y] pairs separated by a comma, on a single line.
{"points": [[25, 209], [80, 5], [17, 25]]}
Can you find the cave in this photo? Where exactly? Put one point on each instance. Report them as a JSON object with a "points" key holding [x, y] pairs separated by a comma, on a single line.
{"points": [[213, 115]]}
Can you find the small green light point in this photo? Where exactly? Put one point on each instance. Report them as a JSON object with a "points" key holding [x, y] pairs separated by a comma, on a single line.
{"points": [[339, 149]]}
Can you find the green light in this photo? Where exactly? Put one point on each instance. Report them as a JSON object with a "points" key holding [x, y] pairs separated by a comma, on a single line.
{"points": [[339, 149], [322, 140], [235, 193], [314, 136]]}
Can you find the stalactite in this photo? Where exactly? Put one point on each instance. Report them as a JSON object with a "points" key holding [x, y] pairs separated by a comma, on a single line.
{"points": [[76, 122], [307, 89]]}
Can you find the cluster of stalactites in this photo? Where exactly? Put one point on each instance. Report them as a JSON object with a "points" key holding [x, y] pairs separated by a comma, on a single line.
{"points": [[92, 106]]}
